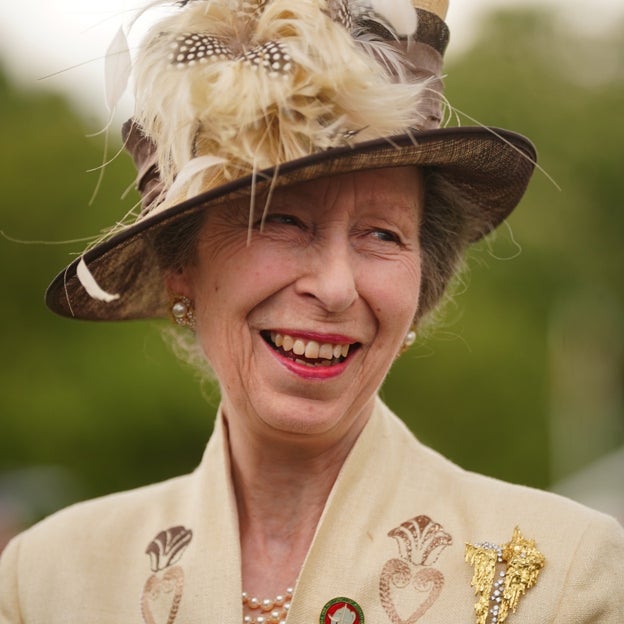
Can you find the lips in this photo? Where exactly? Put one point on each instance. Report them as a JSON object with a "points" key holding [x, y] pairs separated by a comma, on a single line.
{"points": [[308, 351]]}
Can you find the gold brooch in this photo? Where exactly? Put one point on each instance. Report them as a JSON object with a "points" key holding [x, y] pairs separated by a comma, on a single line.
{"points": [[502, 575]]}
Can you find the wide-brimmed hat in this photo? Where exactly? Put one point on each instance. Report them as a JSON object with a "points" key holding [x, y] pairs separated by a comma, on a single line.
{"points": [[235, 98]]}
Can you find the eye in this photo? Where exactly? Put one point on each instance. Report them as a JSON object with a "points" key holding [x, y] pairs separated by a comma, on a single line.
{"points": [[280, 219], [284, 219], [386, 236]]}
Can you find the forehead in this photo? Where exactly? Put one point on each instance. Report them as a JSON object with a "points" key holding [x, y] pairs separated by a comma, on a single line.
{"points": [[389, 187], [396, 192]]}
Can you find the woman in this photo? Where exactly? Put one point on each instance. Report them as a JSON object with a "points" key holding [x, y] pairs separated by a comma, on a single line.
{"points": [[302, 212]]}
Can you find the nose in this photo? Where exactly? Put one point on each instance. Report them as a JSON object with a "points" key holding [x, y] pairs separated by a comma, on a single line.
{"points": [[329, 276]]}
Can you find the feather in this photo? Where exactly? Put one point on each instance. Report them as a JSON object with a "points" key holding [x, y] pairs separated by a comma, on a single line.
{"points": [[384, 53], [258, 84], [192, 169], [117, 69], [399, 14], [90, 284]]}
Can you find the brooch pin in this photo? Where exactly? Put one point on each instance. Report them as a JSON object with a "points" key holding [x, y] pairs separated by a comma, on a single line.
{"points": [[342, 611], [517, 565]]}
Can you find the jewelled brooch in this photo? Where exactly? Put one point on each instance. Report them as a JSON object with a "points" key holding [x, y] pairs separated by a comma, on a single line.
{"points": [[502, 575]]}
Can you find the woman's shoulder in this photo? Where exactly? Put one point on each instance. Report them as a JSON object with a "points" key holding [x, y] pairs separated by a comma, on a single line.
{"points": [[101, 519], [472, 494], [545, 515], [583, 549], [46, 564], [484, 507]]}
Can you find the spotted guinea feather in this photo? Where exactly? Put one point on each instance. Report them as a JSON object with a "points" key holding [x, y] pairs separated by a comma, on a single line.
{"points": [[260, 87]]}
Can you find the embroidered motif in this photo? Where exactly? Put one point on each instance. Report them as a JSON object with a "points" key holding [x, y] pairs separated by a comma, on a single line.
{"points": [[500, 597], [342, 611], [410, 585], [162, 593]]}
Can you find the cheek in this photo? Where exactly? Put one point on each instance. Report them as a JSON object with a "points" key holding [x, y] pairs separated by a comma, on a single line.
{"points": [[395, 293], [229, 288], [415, 279]]}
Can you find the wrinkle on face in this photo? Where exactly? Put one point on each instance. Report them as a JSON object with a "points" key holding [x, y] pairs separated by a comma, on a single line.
{"points": [[331, 271]]}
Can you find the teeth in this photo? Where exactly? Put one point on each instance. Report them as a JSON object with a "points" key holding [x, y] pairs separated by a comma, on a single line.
{"points": [[312, 350], [326, 351], [314, 364]]}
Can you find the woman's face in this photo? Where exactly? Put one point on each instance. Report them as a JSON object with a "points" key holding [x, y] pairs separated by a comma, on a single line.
{"points": [[302, 321]]}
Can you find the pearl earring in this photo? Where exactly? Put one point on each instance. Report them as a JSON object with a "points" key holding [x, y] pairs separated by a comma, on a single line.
{"points": [[410, 339], [183, 312]]}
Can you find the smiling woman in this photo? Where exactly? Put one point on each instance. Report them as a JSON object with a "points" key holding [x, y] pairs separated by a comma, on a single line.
{"points": [[334, 264], [302, 213]]}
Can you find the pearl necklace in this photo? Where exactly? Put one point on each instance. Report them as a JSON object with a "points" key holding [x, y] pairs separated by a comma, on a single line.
{"points": [[272, 610]]}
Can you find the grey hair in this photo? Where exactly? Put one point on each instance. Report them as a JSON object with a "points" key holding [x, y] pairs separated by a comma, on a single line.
{"points": [[450, 223]]}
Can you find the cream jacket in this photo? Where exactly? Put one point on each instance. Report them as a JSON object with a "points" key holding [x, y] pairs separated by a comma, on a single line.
{"points": [[392, 540]]}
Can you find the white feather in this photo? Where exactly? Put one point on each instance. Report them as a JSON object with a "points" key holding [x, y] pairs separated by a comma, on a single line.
{"points": [[188, 172], [117, 69], [400, 14], [90, 285], [118, 64]]}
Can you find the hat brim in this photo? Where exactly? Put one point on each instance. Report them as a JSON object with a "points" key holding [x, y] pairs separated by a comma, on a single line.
{"points": [[488, 167]]}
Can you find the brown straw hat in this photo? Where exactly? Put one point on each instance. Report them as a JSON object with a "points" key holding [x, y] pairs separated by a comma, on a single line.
{"points": [[235, 98]]}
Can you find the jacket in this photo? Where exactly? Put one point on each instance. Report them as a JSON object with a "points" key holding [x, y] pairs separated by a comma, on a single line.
{"points": [[390, 548]]}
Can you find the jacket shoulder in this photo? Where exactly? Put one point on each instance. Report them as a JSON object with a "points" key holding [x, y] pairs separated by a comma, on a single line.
{"points": [[89, 554], [583, 549], [483, 498], [131, 507]]}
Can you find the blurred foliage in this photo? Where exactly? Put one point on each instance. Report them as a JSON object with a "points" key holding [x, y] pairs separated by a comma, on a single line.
{"points": [[487, 398], [108, 402], [110, 406]]}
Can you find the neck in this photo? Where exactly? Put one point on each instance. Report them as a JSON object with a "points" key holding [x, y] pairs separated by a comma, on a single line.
{"points": [[281, 491]]}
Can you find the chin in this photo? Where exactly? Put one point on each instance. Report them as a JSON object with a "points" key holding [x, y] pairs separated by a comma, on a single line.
{"points": [[311, 417]]}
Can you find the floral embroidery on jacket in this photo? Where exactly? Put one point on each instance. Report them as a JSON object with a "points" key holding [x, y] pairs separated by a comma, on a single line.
{"points": [[409, 585], [162, 592]]}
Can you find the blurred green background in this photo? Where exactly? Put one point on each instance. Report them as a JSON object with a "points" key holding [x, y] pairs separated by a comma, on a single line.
{"points": [[523, 379]]}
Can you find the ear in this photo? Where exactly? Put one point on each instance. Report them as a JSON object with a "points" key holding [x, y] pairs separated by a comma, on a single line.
{"points": [[180, 283]]}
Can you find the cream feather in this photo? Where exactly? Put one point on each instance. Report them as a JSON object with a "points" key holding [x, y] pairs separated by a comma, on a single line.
{"points": [[94, 290], [256, 89], [399, 14], [192, 168], [118, 67]]}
